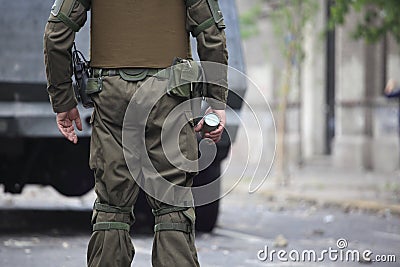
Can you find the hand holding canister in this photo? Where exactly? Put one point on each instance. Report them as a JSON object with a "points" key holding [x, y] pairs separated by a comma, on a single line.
{"points": [[211, 123]]}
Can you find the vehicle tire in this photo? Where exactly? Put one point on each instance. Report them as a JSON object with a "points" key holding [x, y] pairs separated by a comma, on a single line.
{"points": [[207, 216], [74, 178]]}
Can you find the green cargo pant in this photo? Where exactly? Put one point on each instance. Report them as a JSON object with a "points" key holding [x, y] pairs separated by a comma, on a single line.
{"points": [[110, 243]]}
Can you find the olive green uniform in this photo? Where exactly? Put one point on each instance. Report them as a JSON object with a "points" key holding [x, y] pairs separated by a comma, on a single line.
{"points": [[116, 190]]}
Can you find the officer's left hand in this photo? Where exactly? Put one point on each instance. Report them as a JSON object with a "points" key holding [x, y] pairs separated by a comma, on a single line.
{"points": [[65, 124], [217, 133]]}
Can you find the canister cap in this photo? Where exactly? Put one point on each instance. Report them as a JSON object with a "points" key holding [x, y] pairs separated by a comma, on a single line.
{"points": [[211, 119]]}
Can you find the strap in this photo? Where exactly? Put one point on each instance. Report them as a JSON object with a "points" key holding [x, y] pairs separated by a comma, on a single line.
{"points": [[163, 211], [85, 3], [72, 25], [105, 226], [105, 72], [190, 2], [216, 12], [183, 227], [159, 73], [203, 26], [112, 209], [62, 10]]}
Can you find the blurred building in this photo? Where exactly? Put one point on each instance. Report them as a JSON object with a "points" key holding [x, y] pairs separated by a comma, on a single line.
{"points": [[340, 109]]}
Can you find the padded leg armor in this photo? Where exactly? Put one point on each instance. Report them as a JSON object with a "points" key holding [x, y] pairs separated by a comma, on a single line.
{"points": [[174, 237]]}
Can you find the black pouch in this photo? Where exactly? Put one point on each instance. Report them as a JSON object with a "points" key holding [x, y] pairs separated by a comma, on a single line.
{"points": [[81, 75]]}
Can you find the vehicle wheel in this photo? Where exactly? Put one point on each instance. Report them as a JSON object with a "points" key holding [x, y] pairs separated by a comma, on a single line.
{"points": [[74, 178], [207, 216], [73, 182]]}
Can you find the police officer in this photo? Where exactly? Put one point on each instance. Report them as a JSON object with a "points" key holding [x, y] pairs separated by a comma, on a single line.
{"points": [[130, 42]]}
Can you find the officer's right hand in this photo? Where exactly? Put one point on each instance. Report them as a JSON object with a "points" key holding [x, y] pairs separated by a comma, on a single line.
{"points": [[65, 124], [390, 86]]}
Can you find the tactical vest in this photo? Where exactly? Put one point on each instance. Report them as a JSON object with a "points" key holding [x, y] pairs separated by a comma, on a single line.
{"points": [[138, 33]]}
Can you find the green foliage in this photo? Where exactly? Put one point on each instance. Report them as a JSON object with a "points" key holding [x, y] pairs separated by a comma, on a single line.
{"points": [[378, 18], [289, 18], [248, 22]]}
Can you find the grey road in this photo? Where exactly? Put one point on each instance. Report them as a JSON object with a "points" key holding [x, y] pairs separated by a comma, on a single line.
{"points": [[248, 227]]}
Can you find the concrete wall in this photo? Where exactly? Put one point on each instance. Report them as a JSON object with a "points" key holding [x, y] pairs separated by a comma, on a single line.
{"points": [[313, 96], [366, 136]]}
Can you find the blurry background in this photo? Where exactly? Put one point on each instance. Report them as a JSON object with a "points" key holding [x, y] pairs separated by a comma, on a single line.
{"points": [[325, 81]]}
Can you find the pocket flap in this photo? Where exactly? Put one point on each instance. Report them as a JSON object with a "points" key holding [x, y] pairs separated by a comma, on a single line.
{"points": [[133, 75]]}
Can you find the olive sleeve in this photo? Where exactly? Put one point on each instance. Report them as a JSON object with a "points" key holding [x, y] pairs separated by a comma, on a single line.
{"points": [[211, 46], [57, 44]]}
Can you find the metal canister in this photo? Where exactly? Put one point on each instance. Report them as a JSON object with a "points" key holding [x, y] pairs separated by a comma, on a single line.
{"points": [[211, 122]]}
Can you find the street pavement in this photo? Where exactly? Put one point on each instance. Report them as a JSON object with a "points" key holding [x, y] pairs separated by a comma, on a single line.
{"points": [[247, 225], [319, 208]]}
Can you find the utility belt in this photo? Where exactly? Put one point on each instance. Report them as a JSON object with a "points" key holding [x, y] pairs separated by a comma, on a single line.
{"points": [[185, 78], [95, 82], [131, 74]]}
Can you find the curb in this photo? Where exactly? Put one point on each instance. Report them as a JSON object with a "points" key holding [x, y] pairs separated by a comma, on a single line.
{"points": [[345, 204], [365, 205]]}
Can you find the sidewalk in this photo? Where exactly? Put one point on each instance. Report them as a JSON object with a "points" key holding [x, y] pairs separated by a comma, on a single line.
{"points": [[321, 184]]}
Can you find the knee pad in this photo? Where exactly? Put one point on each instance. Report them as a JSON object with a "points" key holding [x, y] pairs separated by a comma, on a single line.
{"points": [[125, 214], [173, 222]]}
